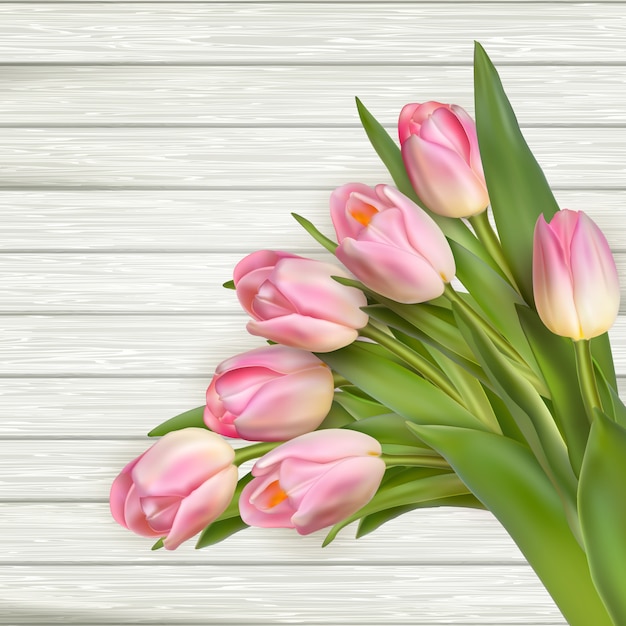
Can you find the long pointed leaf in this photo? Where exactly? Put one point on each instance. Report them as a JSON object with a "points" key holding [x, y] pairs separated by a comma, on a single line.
{"points": [[517, 187], [602, 506], [192, 418]]}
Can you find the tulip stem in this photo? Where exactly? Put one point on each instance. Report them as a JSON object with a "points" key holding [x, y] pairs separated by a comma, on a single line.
{"points": [[587, 378], [254, 451], [415, 360], [415, 460], [487, 236]]}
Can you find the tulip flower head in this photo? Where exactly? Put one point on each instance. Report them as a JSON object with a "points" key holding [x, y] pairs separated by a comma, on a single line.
{"points": [[296, 302], [313, 481], [174, 489], [272, 393], [441, 156], [390, 244], [575, 281]]}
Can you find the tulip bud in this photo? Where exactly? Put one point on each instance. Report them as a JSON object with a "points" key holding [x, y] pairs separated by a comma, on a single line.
{"points": [[390, 244], [313, 481], [575, 281], [296, 302], [441, 157], [174, 489], [269, 394]]}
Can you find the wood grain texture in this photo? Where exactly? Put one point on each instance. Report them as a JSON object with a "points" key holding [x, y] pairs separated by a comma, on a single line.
{"points": [[296, 95], [281, 594], [278, 33], [221, 221], [62, 532], [230, 157], [143, 346]]}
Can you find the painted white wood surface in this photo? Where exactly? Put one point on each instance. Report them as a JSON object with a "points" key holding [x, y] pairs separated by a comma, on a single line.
{"points": [[144, 148]]}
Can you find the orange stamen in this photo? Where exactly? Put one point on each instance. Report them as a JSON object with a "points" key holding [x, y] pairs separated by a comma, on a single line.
{"points": [[364, 213], [275, 494]]}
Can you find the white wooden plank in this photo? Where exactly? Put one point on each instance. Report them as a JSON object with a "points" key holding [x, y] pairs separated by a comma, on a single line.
{"points": [[143, 346], [236, 157], [180, 32], [126, 345], [100, 407], [132, 283], [205, 221], [297, 95], [269, 595], [61, 532]]}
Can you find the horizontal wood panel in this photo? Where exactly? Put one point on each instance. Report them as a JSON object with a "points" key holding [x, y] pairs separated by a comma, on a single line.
{"points": [[237, 157], [205, 221], [132, 283], [144, 346], [100, 407], [269, 595], [253, 95], [83, 533], [300, 32]]}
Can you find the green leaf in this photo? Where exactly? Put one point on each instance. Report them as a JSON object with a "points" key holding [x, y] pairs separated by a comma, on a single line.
{"points": [[390, 155], [220, 530], [229, 284], [194, 418], [602, 510], [556, 359], [517, 187], [322, 239], [496, 298], [611, 402], [396, 387], [507, 479], [357, 406], [411, 492], [158, 545], [370, 523], [527, 408], [390, 428]]}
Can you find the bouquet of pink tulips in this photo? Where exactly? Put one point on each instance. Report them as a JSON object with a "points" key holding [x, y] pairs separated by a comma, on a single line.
{"points": [[385, 389]]}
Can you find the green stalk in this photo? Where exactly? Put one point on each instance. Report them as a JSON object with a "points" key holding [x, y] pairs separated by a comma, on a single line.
{"points": [[587, 378], [254, 451], [415, 460], [487, 236], [415, 360]]}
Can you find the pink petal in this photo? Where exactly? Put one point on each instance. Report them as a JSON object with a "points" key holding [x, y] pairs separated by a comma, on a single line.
{"points": [[254, 509], [135, 518], [345, 225], [444, 128], [258, 260], [304, 332], [289, 406], [180, 462], [402, 276], [160, 512], [443, 180], [552, 283], [596, 283], [312, 292], [349, 486], [238, 387], [281, 359], [322, 446], [202, 506]]}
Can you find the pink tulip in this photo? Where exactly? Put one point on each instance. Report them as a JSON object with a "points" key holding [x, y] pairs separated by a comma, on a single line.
{"points": [[296, 302], [313, 481], [177, 487], [390, 244], [269, 394], [441, 157], [574, 276]]}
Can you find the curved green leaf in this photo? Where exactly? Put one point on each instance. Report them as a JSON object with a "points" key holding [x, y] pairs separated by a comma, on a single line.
{"points": [[398, 388], [192, 418], [507, 479], [602, 510], [220, 530], [517, 187]]}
